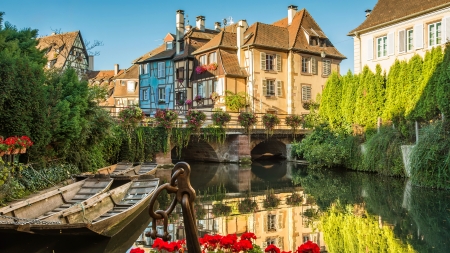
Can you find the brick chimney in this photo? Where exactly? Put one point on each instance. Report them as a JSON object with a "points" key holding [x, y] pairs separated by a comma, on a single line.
{"points": [[292, 9], [180, 29], [200, 23], [241, 28]]}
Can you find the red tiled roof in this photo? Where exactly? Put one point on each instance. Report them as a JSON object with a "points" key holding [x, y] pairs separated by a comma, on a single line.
{"points": [[267, 35], [58, 46], [230, 63], [223, 39], [386, 11], [130, 73], [155, 51], [102, 75]]}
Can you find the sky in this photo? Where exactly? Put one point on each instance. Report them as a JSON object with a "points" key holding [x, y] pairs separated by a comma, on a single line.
{"points": [[129, 29]]}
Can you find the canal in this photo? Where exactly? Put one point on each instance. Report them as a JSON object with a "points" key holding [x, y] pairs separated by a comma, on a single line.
{"points": [[286, 204]]}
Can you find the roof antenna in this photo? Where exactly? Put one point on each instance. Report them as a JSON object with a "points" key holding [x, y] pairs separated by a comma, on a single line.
{"points": [[224, 21]]}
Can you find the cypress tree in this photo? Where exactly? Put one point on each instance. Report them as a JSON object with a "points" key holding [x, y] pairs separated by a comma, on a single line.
{"points": [[330, 101]]}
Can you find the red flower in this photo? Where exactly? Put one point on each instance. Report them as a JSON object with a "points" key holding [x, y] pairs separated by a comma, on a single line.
{"points": [[137, 250], [243, 245], [272, 249], [308, 247], [158, 244], [228, 241], [248, 236]]}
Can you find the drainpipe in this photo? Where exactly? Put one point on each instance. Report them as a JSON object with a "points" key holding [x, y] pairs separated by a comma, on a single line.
{"points": [[360, 55]]}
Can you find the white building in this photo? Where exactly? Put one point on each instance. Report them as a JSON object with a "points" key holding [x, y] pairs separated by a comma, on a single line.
{"points": [[398, 29]]}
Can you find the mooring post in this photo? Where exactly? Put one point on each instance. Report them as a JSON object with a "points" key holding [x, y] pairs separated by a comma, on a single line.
{"points": [[180, 184]]}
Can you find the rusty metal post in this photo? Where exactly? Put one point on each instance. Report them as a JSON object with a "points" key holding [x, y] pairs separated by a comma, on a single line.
{"points": [[180, 184]]}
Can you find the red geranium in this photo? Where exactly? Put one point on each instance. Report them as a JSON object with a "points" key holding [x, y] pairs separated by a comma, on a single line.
{"points": [[228, 241], [137, 250], [248, 236], [308, 247], [272, 249]]}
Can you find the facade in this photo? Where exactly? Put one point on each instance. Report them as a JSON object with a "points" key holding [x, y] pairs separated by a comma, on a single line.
{"points": [[188, 40], [288, 62], [391, 32], [156, 77], [66, 50], [126, 87]]}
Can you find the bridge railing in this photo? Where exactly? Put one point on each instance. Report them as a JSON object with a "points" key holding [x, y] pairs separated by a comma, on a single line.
{"points": [[233, 125]]}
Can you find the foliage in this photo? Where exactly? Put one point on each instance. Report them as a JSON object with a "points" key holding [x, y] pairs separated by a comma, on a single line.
{"points": [[130, 117], [220, 118], [340, 235], [295, 199], [221, 209], [166, 118], [331, 101], [294, 121], [270, 121], [195, 120], [430, 158], [215, 193], [247, 205], [247, 120], [235, 101], [271, 200], [199, 211]]}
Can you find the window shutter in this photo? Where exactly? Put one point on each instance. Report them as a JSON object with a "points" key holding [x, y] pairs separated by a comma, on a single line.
{"points": [[418, 36], [390, 38], [306, 93], [141, 95], [168, 88], [278, 62], [263, 61], [313, 65], [445, 30], [152, 95], [370, 49], [194, 89], [279, 88], [280, 220], [280, 242], [264, 86], [401, 41], [266, 223]]}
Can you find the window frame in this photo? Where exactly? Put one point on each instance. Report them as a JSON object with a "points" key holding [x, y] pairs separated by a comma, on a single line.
{"points": [[144, 94], [161, 69], [212, 55], [202, 60], [271, 222], [270, 62], [409, 35], [308, 86], [382, 50], [325, 63], [171, 45], [161, 94], [306, 65], [437, 38]]}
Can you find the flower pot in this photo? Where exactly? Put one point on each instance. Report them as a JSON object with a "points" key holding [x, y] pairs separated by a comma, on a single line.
{"points": [[2, 153], [23, 150], [15, 151]]}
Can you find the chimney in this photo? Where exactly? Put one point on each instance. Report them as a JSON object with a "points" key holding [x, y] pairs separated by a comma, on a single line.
{"points": [[188, 28], [217, 26], [116, 69], [91, 63], [180, 29], [292, 9], [200, 23], [368, 11], [241, 28]]}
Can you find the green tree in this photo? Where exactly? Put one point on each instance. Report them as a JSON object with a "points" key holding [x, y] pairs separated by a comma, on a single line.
{"points": [[331, 105]]}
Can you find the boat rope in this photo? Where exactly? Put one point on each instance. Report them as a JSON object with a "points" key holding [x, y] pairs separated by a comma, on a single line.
{"points": [[84, 213], [22, 221]]}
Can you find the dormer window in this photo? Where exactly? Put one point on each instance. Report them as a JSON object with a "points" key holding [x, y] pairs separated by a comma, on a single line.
{"points": [[169, 45], [212, 58]]}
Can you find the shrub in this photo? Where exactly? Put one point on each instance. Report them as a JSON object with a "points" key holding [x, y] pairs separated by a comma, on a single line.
{"points": [[247, 120], [294, 122], [271, 200], [195, 120], [247, 206], [220, 118], [130, 117], [270, 121]]}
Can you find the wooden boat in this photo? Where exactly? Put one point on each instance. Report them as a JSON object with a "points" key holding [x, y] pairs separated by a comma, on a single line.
{"points": [[55, 201], [136, 171], [105, 214]]}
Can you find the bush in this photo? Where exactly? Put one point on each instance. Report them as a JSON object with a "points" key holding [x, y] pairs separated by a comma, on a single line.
{"points": [[430, 158], [220, 118], [247, 206], [383, 153]]}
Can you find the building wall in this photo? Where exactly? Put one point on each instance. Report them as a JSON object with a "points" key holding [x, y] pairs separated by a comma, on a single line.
{"points": [[362, 49]]}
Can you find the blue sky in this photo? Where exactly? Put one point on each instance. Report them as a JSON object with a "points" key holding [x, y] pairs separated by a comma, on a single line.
{"points": [[129, 29]]}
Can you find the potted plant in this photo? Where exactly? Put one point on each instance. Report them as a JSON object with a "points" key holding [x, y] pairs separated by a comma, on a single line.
{"points": [[198, 98], [270, 121], [130, 117], [188, 102], [180, 102], [214, 96], [212, 66], [247, 206], [195, 120], [220, 118], [13, 145], [200, 69], [294, 122], [166, 119], [247, 120], [161, 101], [3, 146], [25, 142], [271, 201], [295, 199]]}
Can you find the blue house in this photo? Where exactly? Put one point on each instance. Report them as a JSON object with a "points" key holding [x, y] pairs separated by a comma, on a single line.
{"points": [[156, 77]]}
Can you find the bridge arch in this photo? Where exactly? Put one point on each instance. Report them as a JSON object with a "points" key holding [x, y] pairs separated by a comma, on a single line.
{"points": [[197, 150], [269, 147]]}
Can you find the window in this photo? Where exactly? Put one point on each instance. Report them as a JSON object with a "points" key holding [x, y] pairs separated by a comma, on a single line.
{"points": [[144, 94], [131, 85], [269, 87], [306, 92], [271, 223], [306, 64], [144, 69], [203, 60], [161, 95], [434, 34], [305, 237], [201, 90], [382, 46], [181, 46], [161, 70], [409, 40], [122, 83], [180, 73], [212, 58], [268, 62], [326, 67], [169, 45]]}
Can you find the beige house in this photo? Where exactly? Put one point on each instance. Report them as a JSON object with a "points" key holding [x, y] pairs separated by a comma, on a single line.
{"points": [[66, 50], [398, 30]]}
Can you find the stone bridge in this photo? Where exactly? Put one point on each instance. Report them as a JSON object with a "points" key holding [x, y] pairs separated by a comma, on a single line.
{"points": [[237, 148]]}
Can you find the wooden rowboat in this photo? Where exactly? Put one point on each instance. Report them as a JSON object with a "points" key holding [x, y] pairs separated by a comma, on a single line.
{"points": [[105, 214], [136, 171], [54, 201]]}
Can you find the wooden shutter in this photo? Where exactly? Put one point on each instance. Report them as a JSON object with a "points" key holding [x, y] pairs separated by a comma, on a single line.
{"points": [[280, 242], [266, 223], [279, 88], [401, 41], [370, 49], [264, 86], [263, 61], [390, 43], [314, 65], [278, 62], [306, 93], [418, 36], [167, 94], [445, 30], [152, 95], [280, 220], [194, 90]]}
